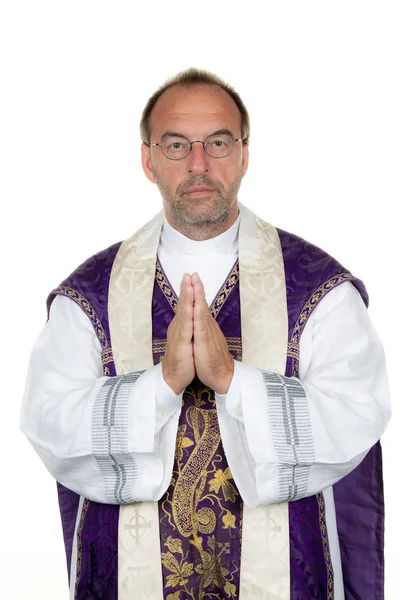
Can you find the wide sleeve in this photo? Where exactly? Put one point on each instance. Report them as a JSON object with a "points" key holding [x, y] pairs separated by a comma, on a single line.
{"points": [[285, 437], [110, 439]]}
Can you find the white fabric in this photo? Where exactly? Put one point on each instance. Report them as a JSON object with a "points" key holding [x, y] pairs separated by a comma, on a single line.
{"points": [[341, 368], [179, 254], [57, 408]]}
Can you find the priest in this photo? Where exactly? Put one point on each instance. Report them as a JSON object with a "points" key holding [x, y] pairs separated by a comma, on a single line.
{"points": [[210, 393]]}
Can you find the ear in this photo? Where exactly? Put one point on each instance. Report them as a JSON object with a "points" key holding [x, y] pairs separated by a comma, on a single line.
{"points": [[245, 158], [146, 163]]}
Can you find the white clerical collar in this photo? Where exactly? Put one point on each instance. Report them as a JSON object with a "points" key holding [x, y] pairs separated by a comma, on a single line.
{"points": [[175, 242]]}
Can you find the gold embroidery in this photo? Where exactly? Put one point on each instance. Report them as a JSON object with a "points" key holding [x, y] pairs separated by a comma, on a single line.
{"points": [[87, 309], [174, 596], [325, 544], [195, 480], [293, 351], [226, 290], [165, 286], [229, 520], [220, 298], [85, 507], [194, 469], [106, 356], [212, 568], [159, 346], [221, 479], [235, 347], [106, 353], [188, 485]]}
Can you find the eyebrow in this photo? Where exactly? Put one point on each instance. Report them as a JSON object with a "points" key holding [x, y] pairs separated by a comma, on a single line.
{"points": [[168, 134]]}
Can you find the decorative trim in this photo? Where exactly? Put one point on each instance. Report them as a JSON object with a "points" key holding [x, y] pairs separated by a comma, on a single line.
{"points": [[235, 346], [291, 434], [325, 544], [110, 437], [84, 304], [106, 356], [225, 291], [219, 300], [165, 286], [79, 544], [293, 350], [159, 346], [313, 301], [87, 309], [106, 353], [294, 353]]}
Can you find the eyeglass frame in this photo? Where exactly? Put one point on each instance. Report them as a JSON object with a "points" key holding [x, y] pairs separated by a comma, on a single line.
{"points": [[200, 142]]}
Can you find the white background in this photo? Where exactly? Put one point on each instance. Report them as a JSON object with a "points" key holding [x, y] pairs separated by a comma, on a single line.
{"points": [[321, 82]]}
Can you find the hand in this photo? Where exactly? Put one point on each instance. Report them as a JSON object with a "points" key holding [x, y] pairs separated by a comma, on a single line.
{"points": [[178, 367], [213, 361]]}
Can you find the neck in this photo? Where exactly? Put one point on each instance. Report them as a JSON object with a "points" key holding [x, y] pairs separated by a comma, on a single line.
{"points": [[205, 230]]}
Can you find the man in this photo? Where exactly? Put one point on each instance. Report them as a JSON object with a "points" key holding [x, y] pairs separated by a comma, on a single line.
{"points": [[211, 400]]}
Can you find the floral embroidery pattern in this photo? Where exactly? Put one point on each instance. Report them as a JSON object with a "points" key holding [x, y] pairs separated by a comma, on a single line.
{"points": [[201, 503]]}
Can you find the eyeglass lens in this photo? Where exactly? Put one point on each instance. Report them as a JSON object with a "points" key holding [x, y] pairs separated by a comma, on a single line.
{"points": [[216, 146]]}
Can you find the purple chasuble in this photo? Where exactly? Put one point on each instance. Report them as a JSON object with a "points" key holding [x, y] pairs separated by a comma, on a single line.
{"points": [[201, 512]]}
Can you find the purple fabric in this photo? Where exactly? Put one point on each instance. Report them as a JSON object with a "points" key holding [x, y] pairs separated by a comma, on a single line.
{"points": [[306, 268], [69, 503], [200, 550], [308, 572], [91, 280], [359, 498], [360, 514], [98, 578], [309, 575]]}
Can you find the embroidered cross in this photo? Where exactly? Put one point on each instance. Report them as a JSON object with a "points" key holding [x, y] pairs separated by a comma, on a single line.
{"points": [[137, 525]]}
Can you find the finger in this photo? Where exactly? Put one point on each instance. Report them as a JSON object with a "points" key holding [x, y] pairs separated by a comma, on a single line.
{"points": [[184, 308], [195, 278], [186, 280], [186, 291], [198, 287], [201, 311]]}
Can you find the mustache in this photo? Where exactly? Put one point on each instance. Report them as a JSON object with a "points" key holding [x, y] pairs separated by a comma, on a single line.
{"points": [[198, 181]]}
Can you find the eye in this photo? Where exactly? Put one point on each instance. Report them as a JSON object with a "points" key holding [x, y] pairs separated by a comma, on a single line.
{"points": [[175, 144], [219, 143]]}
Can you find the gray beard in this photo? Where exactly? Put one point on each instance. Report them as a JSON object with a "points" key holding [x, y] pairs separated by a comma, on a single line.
{"points": [[196, 218]]}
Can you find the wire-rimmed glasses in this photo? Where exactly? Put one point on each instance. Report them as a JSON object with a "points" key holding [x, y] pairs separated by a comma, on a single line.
{"points": [[216, 146]]}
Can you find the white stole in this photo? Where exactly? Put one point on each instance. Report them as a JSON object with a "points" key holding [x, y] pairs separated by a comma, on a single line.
{"points": [[265, 567]]}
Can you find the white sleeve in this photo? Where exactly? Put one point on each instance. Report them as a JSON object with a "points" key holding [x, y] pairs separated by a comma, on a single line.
{"points": [[110, 439], [287, 438]]}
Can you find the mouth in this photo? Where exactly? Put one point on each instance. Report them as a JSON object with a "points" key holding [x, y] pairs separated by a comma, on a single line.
{"points": [[199, 191]]}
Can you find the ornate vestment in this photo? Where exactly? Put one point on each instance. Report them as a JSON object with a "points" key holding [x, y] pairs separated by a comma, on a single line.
{"points": [[199, 539]]}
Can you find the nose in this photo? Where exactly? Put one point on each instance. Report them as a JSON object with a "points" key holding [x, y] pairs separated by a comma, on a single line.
{"points": [[198, 159]]}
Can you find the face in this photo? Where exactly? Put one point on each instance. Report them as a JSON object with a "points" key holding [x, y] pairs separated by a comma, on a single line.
{"points": [[195, 113]]}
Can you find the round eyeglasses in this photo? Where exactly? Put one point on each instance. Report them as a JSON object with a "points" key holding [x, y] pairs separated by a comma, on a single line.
{"points": [[178, 147]]}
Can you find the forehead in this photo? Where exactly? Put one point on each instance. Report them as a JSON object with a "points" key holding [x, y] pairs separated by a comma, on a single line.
{"points": [[198, 109]]}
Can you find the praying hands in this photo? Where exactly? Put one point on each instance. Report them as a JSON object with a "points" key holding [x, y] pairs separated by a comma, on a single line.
{"points": [[195, 343]]}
